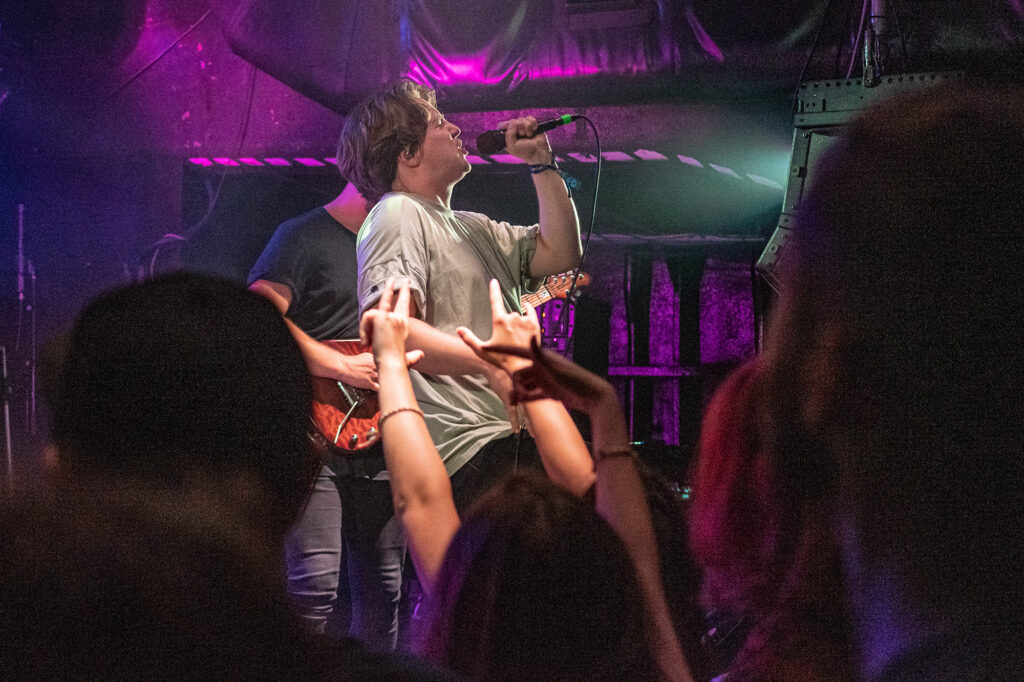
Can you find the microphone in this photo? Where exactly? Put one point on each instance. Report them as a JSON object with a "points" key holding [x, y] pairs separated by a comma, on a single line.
{"points": [[493, 141]]}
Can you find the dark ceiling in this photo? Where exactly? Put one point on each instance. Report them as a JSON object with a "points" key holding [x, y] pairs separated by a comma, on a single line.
{"points": [[496, 55]]}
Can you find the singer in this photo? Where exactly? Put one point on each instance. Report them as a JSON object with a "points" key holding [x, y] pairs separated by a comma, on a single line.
{"points": [[404, 156]]}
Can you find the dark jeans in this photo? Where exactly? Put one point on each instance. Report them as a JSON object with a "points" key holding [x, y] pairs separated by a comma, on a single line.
{"points": [[372, 543], [496, 459]]}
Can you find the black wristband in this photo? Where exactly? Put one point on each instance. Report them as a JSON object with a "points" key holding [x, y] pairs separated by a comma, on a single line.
{"points": [[541, 167]]}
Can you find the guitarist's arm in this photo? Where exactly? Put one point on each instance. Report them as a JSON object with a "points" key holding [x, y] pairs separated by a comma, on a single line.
{"points": [[321, 360]]}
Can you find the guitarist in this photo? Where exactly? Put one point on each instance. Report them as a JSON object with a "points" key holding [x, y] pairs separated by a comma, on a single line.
{"points": [[308, 271]]}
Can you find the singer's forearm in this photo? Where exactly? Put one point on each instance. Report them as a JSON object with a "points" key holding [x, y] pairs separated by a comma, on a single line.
{"points": [[442, 353], [558, 242]]}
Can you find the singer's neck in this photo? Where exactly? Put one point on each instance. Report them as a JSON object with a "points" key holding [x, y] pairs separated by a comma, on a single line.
{"points": [[438, 194]]}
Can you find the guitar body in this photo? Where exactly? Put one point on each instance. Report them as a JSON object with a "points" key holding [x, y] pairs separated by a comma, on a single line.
{"points": [[346, 417]]}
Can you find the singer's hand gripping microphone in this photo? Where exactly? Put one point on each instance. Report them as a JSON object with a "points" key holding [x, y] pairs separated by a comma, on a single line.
{"points": [[493, 141]]}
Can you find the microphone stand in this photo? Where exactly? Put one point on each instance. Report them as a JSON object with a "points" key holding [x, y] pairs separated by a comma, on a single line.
{"points": [[873, 36], [5, 398], [33, 421]]}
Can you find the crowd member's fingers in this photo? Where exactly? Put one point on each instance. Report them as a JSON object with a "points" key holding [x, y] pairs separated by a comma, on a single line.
{"points": [[367, 320], [386, 296], [401, 306]]}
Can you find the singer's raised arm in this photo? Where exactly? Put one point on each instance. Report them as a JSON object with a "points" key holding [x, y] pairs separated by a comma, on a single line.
{"points": [[558, 241]]}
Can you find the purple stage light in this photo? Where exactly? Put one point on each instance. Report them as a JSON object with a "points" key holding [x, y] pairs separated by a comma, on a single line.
{"points": [[249, 161], [506, 158], [616, 156], [648, 155], [201, 161], [277, 161], [225, 161], [476, 160], [703, 39], [435, 68], [585, 158], [309, 161], [690, 161], [563, 71]]}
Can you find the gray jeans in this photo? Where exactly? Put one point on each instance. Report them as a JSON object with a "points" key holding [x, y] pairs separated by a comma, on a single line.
{"points": [[369, 537]]}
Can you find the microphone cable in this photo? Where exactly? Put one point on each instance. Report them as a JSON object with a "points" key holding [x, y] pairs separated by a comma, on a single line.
{"points": [[590, 228]]}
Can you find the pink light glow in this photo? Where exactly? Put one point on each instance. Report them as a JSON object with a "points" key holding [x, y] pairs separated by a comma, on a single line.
{"points": [[505, 158], [564, 71], [690, 161], [448, 70], [201, 161], [616, 156], [309, 161], [277, 161], [476, 160], [225, 161], [249, 161], [333, 160], [648, 155], [705, 41], [585, 158]]}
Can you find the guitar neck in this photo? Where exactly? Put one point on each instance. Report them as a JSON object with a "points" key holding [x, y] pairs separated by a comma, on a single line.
{"points": [[536, 298], [555, 286]]}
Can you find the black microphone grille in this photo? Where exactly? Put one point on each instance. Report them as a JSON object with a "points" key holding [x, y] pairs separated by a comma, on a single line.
{"points": [[490, 142]]}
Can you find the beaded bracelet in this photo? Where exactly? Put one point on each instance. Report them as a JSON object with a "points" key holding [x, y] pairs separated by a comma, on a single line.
{"points": [[395, 410], [619, 451]]}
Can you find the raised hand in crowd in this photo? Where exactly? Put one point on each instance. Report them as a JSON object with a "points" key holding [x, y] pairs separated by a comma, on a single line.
{"points": [[420, 488], [563, 453], [545, 380]]}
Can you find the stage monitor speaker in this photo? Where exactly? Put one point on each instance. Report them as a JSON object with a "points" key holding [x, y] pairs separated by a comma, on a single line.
{"points": [[824, 110]]}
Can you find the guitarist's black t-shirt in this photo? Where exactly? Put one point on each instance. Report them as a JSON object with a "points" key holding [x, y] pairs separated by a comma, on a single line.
{"points": [[315, 256]]}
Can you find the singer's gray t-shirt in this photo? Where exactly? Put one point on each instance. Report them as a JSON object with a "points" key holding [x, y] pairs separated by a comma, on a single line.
{"points": [[449, 258]]}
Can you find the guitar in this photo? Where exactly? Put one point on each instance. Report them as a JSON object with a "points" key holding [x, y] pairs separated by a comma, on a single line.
{"points": [[555, 286], [346, 417]]}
